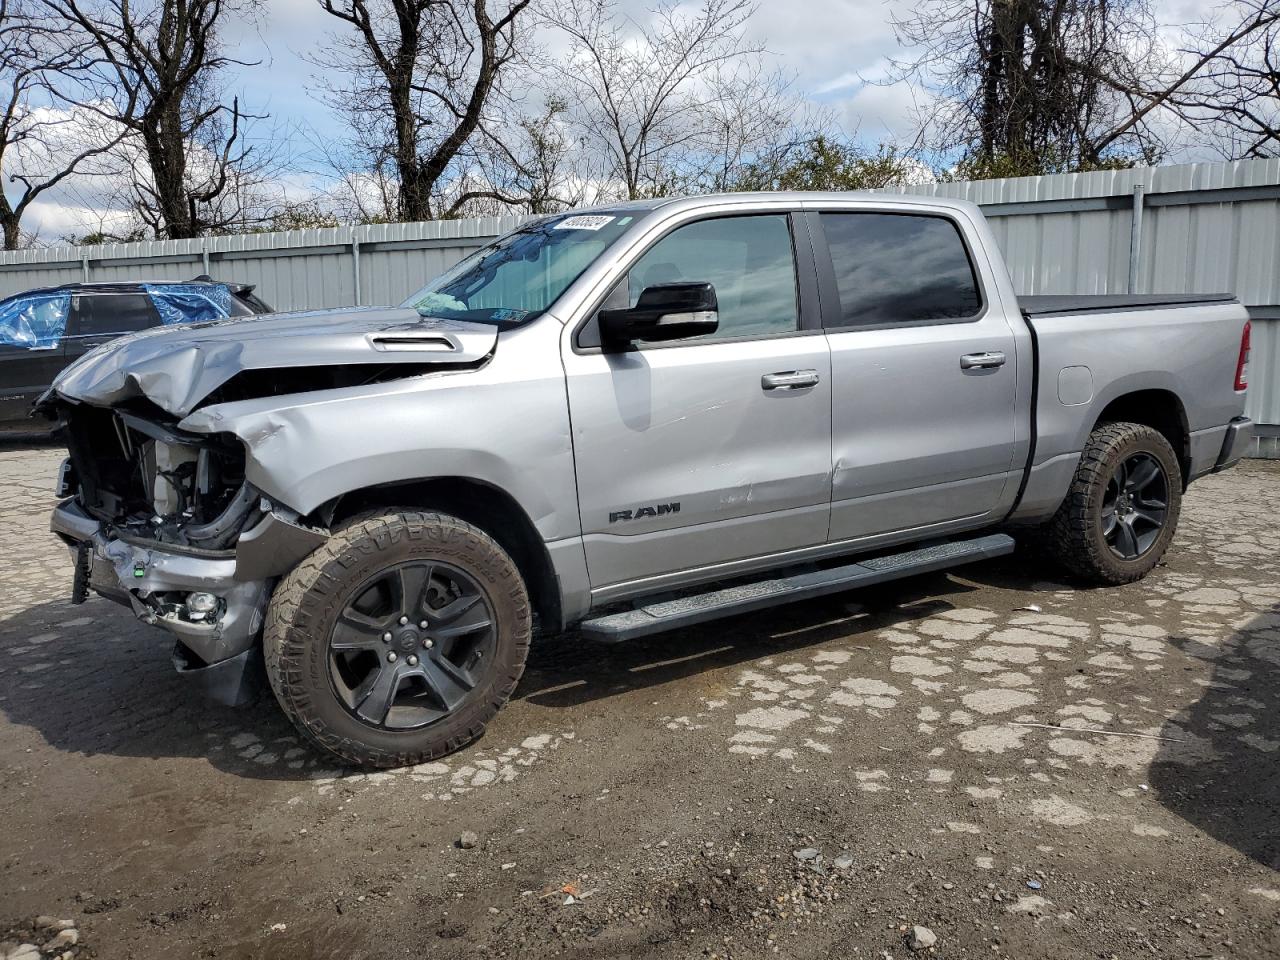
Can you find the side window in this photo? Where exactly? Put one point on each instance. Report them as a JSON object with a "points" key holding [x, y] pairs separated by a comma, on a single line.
{"points": [[35, 322], [101, 313], [900, 268], [190, 302], [750, 262]]}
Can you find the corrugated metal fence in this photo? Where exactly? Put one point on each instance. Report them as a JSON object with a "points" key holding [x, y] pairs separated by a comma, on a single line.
{"points": [[293, 270], [1194, 228]]}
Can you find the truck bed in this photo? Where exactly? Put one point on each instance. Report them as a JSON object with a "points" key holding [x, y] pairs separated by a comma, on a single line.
{"points": [[1178, 350], [1049, 305]]}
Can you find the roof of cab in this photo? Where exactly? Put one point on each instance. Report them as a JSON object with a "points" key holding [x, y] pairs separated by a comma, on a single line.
{"points": [[799, 197]]}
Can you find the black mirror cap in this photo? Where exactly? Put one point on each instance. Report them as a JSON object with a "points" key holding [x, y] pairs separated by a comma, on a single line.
{"points": [[665, 311], [679, 298]]}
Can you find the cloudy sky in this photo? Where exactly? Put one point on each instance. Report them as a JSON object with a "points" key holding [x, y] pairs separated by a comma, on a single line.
{"points": [[825, 44], [831, 47]]}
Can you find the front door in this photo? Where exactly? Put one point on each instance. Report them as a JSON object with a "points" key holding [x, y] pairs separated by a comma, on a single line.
{"points": [[702, 452], [923, 372]]}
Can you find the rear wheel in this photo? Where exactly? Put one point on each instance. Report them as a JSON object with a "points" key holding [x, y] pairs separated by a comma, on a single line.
{"points": [[1121, 511], [399, 639]]}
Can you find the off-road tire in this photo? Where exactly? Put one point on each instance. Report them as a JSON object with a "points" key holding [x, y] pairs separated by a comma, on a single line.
{"points": [[307, 601], [1074, 537]]}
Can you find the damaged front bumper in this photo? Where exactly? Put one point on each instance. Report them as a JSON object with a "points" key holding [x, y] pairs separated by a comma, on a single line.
{"points": [[217, 640]]}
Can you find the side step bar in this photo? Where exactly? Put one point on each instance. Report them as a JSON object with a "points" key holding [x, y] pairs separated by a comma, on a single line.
{"points": [[658, 615]]}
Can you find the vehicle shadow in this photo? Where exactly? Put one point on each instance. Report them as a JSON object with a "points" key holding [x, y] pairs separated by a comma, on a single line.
{"points": [[92, 680], [130, 702], [1230, 787], [1234, 794], [567, 670], [29, 440]]}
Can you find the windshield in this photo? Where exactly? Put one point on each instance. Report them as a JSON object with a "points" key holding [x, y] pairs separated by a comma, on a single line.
{"points": [[519, 276]]}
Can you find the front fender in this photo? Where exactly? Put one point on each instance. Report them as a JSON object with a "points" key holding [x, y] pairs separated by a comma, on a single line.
{"points": [[506, 425]]}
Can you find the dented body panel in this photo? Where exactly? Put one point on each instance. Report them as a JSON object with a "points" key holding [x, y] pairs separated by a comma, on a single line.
{"points": [[176, 369], [487, 424]]}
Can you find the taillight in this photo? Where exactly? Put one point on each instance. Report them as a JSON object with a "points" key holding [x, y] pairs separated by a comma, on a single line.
{"points": [[1242, 367]]}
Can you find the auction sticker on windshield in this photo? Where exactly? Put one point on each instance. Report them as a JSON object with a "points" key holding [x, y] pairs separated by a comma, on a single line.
{"points": [[583, 223]]}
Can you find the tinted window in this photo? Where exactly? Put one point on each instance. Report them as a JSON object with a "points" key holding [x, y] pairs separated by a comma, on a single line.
{"points": [[249, 304], [892, 268], [115, 313], [748, 260]]}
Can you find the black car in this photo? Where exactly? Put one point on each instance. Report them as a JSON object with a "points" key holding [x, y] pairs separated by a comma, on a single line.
{"points": [[44, 330]]}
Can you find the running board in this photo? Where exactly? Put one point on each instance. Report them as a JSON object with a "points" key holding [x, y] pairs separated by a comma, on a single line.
{"points": [[658, 615]]}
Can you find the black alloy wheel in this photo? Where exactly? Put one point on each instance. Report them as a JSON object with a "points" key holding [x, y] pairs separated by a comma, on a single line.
{"points": [[405, 645], [1134, 506]]}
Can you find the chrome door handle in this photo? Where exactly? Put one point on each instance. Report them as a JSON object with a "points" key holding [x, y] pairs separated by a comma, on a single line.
{"points": [[972, 361], [790, 380]]}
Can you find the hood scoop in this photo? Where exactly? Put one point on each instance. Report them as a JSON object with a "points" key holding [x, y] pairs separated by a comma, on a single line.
{"points": [[401, 341]]}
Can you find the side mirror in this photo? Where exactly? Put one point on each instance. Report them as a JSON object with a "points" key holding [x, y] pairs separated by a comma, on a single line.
{"points": [[667, 311]]}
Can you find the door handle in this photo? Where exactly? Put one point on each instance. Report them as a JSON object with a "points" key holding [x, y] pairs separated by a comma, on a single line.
{"points": [[790, 380], [971, 361]]}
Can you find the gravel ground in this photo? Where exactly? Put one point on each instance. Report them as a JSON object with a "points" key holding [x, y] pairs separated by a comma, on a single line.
{"points": [[1016, 765]]}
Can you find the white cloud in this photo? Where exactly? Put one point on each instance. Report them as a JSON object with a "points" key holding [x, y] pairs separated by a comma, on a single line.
{"points": [[885, 113]]}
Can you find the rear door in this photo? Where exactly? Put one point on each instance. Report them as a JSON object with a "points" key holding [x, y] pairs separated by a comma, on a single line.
{"points": [[699, 453], [923, 376], [99, 316]]}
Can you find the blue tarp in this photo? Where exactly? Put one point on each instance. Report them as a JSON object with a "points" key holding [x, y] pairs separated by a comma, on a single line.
{"points": [[36, 322], [190, 302]]}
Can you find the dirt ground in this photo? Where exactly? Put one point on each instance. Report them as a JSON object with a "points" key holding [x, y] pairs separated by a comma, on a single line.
{"points": [[1025, 768]]}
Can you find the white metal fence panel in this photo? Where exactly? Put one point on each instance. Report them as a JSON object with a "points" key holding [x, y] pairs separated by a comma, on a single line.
{"points": [[1066, 252], [1264, 375], [294, 270]]}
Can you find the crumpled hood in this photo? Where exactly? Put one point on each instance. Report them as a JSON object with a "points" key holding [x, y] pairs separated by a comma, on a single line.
{"points": [[177, 367]]}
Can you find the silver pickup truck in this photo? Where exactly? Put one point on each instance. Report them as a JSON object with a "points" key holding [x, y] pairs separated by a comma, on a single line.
{"points": [[622, 421]]}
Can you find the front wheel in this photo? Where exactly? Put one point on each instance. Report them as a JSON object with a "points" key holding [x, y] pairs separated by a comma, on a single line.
{"points": [[399, 639], [1121, 510]]}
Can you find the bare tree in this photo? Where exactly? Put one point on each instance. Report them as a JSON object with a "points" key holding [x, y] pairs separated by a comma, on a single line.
{"points": [[663, 102], [159, 63], [752, 122], [416, 79], [1240, 91], [1033, 86], [40, 146], [1226, 87], [535, 161]]}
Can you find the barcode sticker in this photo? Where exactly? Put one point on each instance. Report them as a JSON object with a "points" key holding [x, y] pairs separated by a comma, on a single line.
{"points": [[583, 223]]}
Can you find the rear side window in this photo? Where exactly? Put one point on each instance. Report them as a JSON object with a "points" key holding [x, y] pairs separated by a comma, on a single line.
{"points": [[896, 268], [191, 302], [115, 313]]}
